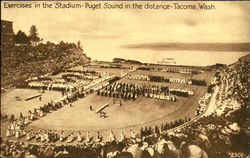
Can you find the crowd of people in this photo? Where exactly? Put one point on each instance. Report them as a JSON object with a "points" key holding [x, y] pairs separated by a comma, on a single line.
{"points": [[70, 81], [152, 78], [45, 85], [181, 92], [207, 137], [82, 74], [132, 91], [197, 82], [203, 102], [149, 143], [233, 81], [167, 79], [139, 77], [226, 131], [111, 66], [174, 70], [16, 128]]}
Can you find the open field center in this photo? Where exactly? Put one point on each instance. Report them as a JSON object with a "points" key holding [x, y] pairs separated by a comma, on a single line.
{"points": [[130, 113]]}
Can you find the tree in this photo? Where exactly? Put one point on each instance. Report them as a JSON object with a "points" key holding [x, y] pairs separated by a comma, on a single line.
{"points": [[79, 45], [33, 34], [21, 38]]}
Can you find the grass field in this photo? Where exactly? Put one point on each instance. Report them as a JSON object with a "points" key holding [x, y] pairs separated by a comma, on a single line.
{"points": [[131, 113], [9, 105]]}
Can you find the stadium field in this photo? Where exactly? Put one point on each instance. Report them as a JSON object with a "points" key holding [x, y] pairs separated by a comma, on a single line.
{"points": [[131, 114]]}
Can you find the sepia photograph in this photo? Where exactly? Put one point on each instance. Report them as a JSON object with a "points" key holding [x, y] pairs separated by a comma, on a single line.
{"points": [[125, 79]]}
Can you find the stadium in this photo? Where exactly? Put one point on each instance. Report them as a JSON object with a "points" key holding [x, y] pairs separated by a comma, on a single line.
{"points": [[142, 84], [101, 103]]}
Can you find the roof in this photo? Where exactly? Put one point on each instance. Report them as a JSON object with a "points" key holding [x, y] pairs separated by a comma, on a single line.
{"points": [[6, 21]]}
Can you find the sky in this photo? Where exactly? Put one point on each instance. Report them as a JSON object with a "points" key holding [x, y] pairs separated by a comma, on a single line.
{"points": [[104, 32]]}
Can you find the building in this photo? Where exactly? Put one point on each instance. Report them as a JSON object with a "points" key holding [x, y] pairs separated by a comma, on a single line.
{"points": [[7, 35]]}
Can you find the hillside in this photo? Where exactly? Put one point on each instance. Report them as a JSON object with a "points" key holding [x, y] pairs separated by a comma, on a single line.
{"points": [[20, 62]]}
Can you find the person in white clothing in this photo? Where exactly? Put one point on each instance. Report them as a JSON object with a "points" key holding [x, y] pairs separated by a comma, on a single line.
{"points": [[98, 138], [122, 137], [87, 137], [8, 132], [79, 137], [132, 134], [111, 136]]}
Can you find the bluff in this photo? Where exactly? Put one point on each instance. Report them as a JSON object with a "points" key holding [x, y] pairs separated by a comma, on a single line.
{"points": [[21, 62]]}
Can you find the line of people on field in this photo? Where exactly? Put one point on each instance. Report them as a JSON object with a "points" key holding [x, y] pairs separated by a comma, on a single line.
{"points": [[167, 79], [175, 70], [152, 78], [87, 76], [50, 86], [203, 101], [69, 82], [132, 91], [181, 92]]}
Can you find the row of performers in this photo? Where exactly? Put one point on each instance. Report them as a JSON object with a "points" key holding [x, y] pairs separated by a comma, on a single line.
{"points": [[49, 136], [174, 70], [82, 76], [51, 106], [133, 96], [165, 79], [131, 91], [138, 88], [53, 136], [51, 86]]}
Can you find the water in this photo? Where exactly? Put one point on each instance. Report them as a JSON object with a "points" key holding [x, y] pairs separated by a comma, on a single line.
{"points": [[196, 58]]}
